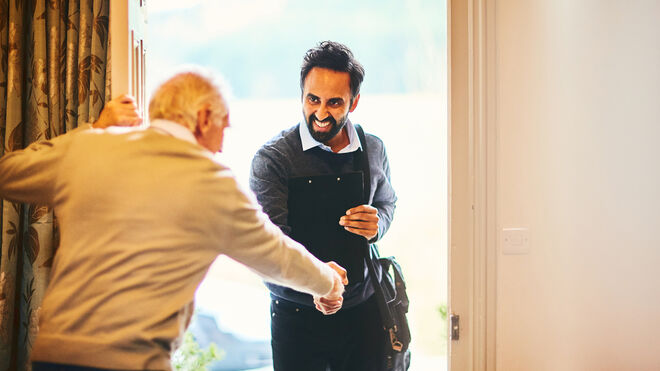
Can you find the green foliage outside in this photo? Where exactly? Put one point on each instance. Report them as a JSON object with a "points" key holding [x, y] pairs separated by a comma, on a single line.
{"points": [[190, 357], [442, 309]]}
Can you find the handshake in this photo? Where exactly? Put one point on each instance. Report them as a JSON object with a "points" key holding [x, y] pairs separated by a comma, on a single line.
{"points": [[332, 302]]}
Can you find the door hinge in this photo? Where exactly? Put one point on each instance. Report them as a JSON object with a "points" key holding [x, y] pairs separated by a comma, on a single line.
{"points": [[455, 326]]}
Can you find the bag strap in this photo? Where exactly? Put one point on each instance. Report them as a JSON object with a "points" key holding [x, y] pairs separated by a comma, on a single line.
{"points": [[362, 160], [362, 163]]}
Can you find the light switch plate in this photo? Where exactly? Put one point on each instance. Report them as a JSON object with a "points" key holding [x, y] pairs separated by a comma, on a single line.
{"points": [[515, 241]]}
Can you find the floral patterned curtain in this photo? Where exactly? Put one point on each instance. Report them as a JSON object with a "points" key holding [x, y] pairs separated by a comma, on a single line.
{"points": [[53, 59]]}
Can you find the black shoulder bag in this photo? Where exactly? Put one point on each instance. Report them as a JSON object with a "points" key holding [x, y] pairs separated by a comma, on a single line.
{"points": [[390, 291]]}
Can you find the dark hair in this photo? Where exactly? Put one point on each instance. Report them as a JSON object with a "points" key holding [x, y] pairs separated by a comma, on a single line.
{"points": [[334, 56]]}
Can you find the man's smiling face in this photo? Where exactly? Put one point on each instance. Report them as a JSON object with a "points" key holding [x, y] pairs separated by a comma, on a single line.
{"points": [[326, 102]]}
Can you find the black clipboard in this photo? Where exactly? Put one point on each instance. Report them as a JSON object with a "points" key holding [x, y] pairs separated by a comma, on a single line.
{"points": [[315, 205]]}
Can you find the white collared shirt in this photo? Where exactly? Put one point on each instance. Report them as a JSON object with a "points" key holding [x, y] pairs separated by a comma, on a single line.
{"points": [[176, 130], [308, 142]]}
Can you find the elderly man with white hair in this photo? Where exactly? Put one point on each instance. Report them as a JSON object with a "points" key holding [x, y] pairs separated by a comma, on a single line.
{"points": [[143, 213]]}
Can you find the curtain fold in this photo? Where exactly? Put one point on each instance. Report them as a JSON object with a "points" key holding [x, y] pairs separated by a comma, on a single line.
{"points": [[53, 61]]}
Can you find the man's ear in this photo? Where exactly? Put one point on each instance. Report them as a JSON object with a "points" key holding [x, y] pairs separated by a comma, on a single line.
{"points": [[202, 120], [355, 102]]}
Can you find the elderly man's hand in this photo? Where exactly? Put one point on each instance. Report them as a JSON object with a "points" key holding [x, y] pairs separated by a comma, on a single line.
{"points": [[361, 220], [332, 302], [121, 111]]}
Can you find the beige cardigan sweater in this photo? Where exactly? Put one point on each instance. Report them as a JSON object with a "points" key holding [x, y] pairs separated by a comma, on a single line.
{"points": [[142, 215]]}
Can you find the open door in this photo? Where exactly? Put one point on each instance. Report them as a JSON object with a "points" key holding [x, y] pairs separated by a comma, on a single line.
{"points": [[472, 232], [128, 20]]}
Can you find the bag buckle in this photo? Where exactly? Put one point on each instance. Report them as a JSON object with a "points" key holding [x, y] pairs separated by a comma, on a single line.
{"points": [[396, 344]]}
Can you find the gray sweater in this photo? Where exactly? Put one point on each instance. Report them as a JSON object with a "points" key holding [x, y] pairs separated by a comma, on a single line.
{"points": [[282, 158]]}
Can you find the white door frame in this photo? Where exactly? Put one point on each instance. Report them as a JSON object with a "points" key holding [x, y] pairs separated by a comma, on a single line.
{"points": [[472, 180], [471, 152], [128, 50]]}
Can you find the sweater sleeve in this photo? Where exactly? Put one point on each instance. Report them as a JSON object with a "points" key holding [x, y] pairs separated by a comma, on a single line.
{"points": [[29, 175], [384, 196], [260, 245]]}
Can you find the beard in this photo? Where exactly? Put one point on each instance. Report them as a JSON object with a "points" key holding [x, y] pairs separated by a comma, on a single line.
{"points": [[335, 127]]}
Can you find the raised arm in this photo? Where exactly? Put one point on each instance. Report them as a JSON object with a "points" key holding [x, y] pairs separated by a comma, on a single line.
{"points": [[29, 175], [121, 111]]}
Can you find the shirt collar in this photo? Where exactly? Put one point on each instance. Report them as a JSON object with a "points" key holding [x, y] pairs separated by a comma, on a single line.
{"points": [[308, 142], [176, 130]]}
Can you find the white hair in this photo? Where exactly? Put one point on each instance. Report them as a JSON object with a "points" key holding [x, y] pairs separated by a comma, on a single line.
{"points": [[180, 97]]}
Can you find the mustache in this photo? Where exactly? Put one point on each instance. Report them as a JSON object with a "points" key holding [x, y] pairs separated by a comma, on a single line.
{"points": [[330, 119]]}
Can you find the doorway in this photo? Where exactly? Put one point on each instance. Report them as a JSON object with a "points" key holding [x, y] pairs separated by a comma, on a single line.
{"points": [[257, 45]]}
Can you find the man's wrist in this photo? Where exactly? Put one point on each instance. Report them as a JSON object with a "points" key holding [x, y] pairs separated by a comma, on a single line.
{"points": [[329, 274], [337, 288]]}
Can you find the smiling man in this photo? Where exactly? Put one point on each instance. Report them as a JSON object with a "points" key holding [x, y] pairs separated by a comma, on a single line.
{"points": [[314, 333]]}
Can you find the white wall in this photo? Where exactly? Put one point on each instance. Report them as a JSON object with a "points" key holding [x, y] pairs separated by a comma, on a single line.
{"points": [[578, 152]]}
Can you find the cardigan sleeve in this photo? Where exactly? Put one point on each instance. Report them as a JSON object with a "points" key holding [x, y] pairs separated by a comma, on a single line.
{"points": [[260, 245], [29, 175]]}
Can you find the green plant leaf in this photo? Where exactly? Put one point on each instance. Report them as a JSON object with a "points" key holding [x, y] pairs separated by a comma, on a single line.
{"points": [[442, 309], [190, 356]]}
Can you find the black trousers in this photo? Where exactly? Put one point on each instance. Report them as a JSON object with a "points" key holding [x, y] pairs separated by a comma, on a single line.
{"points": [[305, 339]]}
